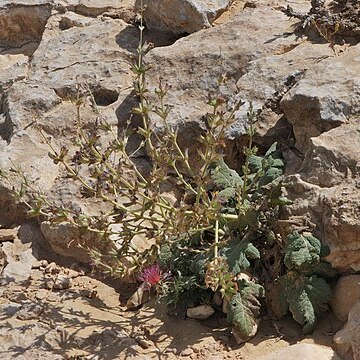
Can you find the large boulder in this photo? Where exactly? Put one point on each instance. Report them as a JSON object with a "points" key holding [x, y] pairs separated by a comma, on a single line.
{"points": [[193, 65], [182, 16], [326, 194], [326, 97]]}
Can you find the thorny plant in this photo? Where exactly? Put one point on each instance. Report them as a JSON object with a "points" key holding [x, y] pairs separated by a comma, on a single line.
{"points": [[223, 224]]}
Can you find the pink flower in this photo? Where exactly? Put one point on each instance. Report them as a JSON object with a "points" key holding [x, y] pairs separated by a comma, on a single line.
{"points": [[154, 275]]}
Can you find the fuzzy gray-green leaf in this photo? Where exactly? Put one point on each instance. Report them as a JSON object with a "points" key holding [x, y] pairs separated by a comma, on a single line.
{"points": [[302, 251], [238, 255], [307, 298], [244, 308], [224, 177]]}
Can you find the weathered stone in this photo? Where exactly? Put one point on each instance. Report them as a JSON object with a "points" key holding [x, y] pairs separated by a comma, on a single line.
{"points": [[327, 96], [347, 340], [19, 261], [19, 342], [200, 312], [182, 16], [8, 234], [30, 311], [65, 240], [193, 65], [9, 309], [187, 352], [62, 282], [326, 194], [302, 352], [23, 26], [345, 294]]}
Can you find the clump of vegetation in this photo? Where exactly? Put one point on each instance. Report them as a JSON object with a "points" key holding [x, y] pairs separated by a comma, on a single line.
{"points": [[333, 21], [219, 243]]}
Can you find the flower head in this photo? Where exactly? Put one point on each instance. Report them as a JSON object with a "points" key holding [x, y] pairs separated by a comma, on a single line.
{"points": [[154, 275]]}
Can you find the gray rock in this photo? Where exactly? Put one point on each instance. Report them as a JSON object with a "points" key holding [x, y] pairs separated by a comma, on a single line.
{"points": [[62, 282], [9, 309], [327, 96], [326, 194], [200, 312], [187, 352], [29, 342], [192, 65], [19, 261], [182, 16]]}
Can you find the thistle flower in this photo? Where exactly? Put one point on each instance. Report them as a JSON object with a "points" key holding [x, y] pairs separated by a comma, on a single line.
{"points": [[154, 275]]}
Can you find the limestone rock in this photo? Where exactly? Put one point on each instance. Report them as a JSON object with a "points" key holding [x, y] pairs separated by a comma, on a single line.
{"points": [[65, 239], [326, 98], [345, 294], [347, 340], [19, 260], [19, 342], [302, 352], [9, 309], [193, 64], [326, 194], [8, 234], [201, 312], [182, 16], [30, 311]]}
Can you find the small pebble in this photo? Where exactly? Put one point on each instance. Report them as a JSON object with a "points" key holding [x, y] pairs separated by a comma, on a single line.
{"points": [[52, 268], [187, 352], [62, 282], [41, 294], [196, 350], [30, 311]]}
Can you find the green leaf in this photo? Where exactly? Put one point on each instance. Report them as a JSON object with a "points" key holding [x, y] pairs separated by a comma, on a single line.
{"points": [[307, 298], [165, 256], [270, 175], [238, 254], [255, 163], [244, 308], [276, 162], [302, 251], [224, 177]]}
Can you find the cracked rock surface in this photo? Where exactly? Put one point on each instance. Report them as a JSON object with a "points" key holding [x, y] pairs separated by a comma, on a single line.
{"points": [[52, 51]]}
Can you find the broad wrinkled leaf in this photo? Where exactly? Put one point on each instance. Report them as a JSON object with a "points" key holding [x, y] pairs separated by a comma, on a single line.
{"points": [[238, 255], [302, 251], [224, 177], [306, 298], [270, 175], [244, 308]]}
